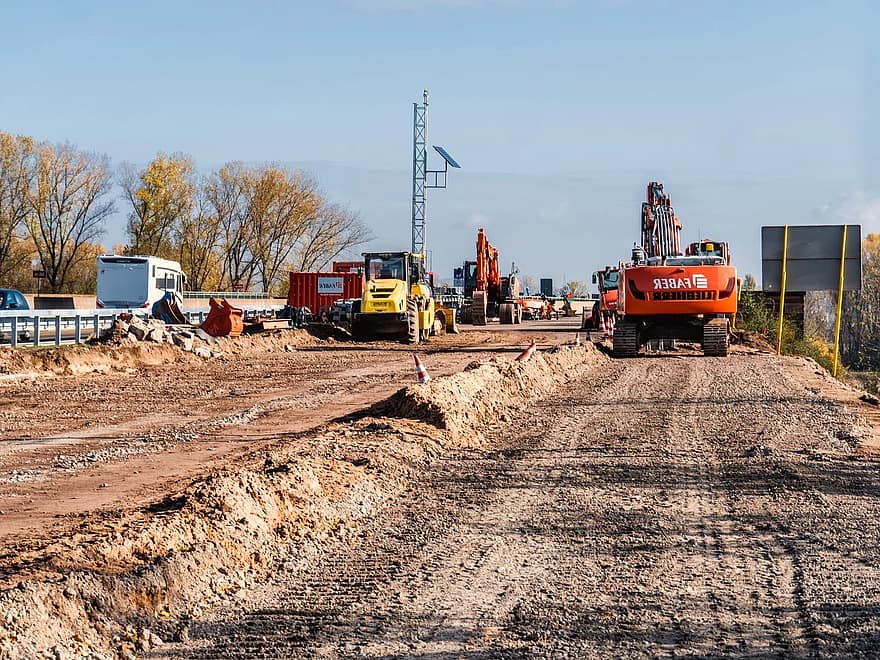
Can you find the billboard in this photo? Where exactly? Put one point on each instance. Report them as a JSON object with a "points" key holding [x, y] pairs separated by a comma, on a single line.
{"points": [[813, 259]]}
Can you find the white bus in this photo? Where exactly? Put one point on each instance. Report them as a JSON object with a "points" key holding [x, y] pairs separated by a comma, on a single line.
{"points": [[137, 281]]}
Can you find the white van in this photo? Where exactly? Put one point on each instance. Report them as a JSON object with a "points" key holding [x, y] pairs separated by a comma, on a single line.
{"points": [[137, 281]]}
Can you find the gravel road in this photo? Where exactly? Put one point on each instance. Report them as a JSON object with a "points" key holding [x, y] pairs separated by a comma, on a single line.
{"points": [[662, 507]]}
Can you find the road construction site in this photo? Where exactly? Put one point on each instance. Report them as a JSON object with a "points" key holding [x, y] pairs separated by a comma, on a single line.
{"points": [[300, 495]]}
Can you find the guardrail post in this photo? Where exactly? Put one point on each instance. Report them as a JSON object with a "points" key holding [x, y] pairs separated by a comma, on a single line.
{"points": [[77, 329], [13, 340], [58, 331], [36, 330], [96, 325]]}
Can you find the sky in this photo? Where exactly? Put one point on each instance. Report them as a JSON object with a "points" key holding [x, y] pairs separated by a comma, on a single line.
{"points": [[560, 111]]}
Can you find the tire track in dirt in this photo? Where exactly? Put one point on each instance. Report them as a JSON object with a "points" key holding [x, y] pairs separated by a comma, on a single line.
{"points": [[662, 507]]}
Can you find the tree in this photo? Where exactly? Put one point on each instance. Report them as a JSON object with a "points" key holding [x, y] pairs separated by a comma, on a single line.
{"points": [[161, 197], [282, 206], [860, 321], [575, 288], [16, 173], [198, 236], [69, 203], [333, 231], [226, 192]]}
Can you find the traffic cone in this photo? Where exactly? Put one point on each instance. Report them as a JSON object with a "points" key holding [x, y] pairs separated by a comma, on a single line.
{"points": [[577, 339], [609, 328], [602, 329], [526, 354], [421, 372]]}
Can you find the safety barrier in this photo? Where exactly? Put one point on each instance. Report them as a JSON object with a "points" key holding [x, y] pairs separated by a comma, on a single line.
{"points": [[54, 327]]}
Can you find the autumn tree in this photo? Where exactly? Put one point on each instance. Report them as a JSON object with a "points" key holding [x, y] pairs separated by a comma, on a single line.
{"points": [[860, 331], [16, 174], [333, 231], [226, 192], [69, 203], [575, 288], [161, 198], [281, 206], [198, 237]]}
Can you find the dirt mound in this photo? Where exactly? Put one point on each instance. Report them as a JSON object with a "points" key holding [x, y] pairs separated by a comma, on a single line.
{"points": [[127, 581], [121, 354], [464, 403]]}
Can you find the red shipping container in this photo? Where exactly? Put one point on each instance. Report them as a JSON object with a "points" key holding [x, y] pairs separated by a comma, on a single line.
{"points": [[318, 291], [348, 266]]}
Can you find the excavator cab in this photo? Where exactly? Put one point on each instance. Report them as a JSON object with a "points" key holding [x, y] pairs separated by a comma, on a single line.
{"points": [[709, 248]]}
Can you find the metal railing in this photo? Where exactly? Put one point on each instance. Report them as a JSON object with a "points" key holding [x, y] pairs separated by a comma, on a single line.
{"points": [[54, 327]]}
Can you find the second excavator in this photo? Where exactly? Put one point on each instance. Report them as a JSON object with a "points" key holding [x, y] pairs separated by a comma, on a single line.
{"points": [[488, 293]]}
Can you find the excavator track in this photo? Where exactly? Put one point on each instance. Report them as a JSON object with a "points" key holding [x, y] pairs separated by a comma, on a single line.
{"points": [[715, 337], [478, 308], [626, 340]]}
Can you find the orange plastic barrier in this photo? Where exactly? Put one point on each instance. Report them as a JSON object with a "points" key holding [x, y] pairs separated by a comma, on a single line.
{"points": [[223, 320]]}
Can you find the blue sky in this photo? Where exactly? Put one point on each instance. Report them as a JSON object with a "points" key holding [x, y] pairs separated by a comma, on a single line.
{"points": [[751, 112]]}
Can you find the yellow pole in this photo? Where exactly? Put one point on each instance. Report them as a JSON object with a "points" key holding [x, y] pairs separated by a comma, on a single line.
{"points": [[782, 292], [839, 304]]}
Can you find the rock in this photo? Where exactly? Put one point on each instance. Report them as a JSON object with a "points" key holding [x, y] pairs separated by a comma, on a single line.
{"points": [[869, 398], [290, 348], [183, 340], [204, 336], [138, 331], [183, 634], [69, 592], [202, 351]]}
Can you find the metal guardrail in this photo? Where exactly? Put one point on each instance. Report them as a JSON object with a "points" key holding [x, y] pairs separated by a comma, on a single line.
{"points": [[204, 295], [54, 327]]}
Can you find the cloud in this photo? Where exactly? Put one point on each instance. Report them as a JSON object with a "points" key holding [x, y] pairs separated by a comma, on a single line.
{"points": [[859, 208]]}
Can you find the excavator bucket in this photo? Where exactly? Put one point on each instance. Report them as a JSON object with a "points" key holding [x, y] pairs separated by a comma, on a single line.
{"points": [[223, 320], [166, 309], [446, 316]]}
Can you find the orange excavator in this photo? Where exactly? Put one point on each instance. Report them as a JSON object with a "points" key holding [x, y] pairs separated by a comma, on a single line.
{"points": [[487, 293], [667, 294]]}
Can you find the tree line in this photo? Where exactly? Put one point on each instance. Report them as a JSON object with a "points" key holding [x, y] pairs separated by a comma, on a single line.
{"points": [[239, 226]]}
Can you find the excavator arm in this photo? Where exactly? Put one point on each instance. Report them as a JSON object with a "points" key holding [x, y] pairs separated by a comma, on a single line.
{"points": [[661, 229]]}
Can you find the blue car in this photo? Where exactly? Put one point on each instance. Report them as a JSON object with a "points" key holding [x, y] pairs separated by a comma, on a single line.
{"points": [[12, 299]]}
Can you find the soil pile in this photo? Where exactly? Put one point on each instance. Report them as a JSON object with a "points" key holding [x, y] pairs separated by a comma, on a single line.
{"points": [[122, 586]]}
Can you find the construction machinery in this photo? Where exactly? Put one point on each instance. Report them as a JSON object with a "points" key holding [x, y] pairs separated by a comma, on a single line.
{"points": [[397, 302], [667, 294], [487, 293], [606, 306]]}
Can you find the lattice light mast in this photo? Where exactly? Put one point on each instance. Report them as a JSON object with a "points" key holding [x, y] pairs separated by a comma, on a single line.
{"points": [[423, 178]]}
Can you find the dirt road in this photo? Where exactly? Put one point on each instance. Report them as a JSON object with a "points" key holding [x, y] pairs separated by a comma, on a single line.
{"points": [[71, 446], [661, 507]]}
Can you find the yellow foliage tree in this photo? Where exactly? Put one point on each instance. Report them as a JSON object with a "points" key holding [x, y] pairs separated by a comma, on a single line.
{"points": [[161, 197]]}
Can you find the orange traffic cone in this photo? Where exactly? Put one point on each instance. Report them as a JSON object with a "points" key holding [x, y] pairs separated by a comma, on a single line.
{"points": [[609, 328], [602, 329], [421, 372], [526, 354], [577, 339]]}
